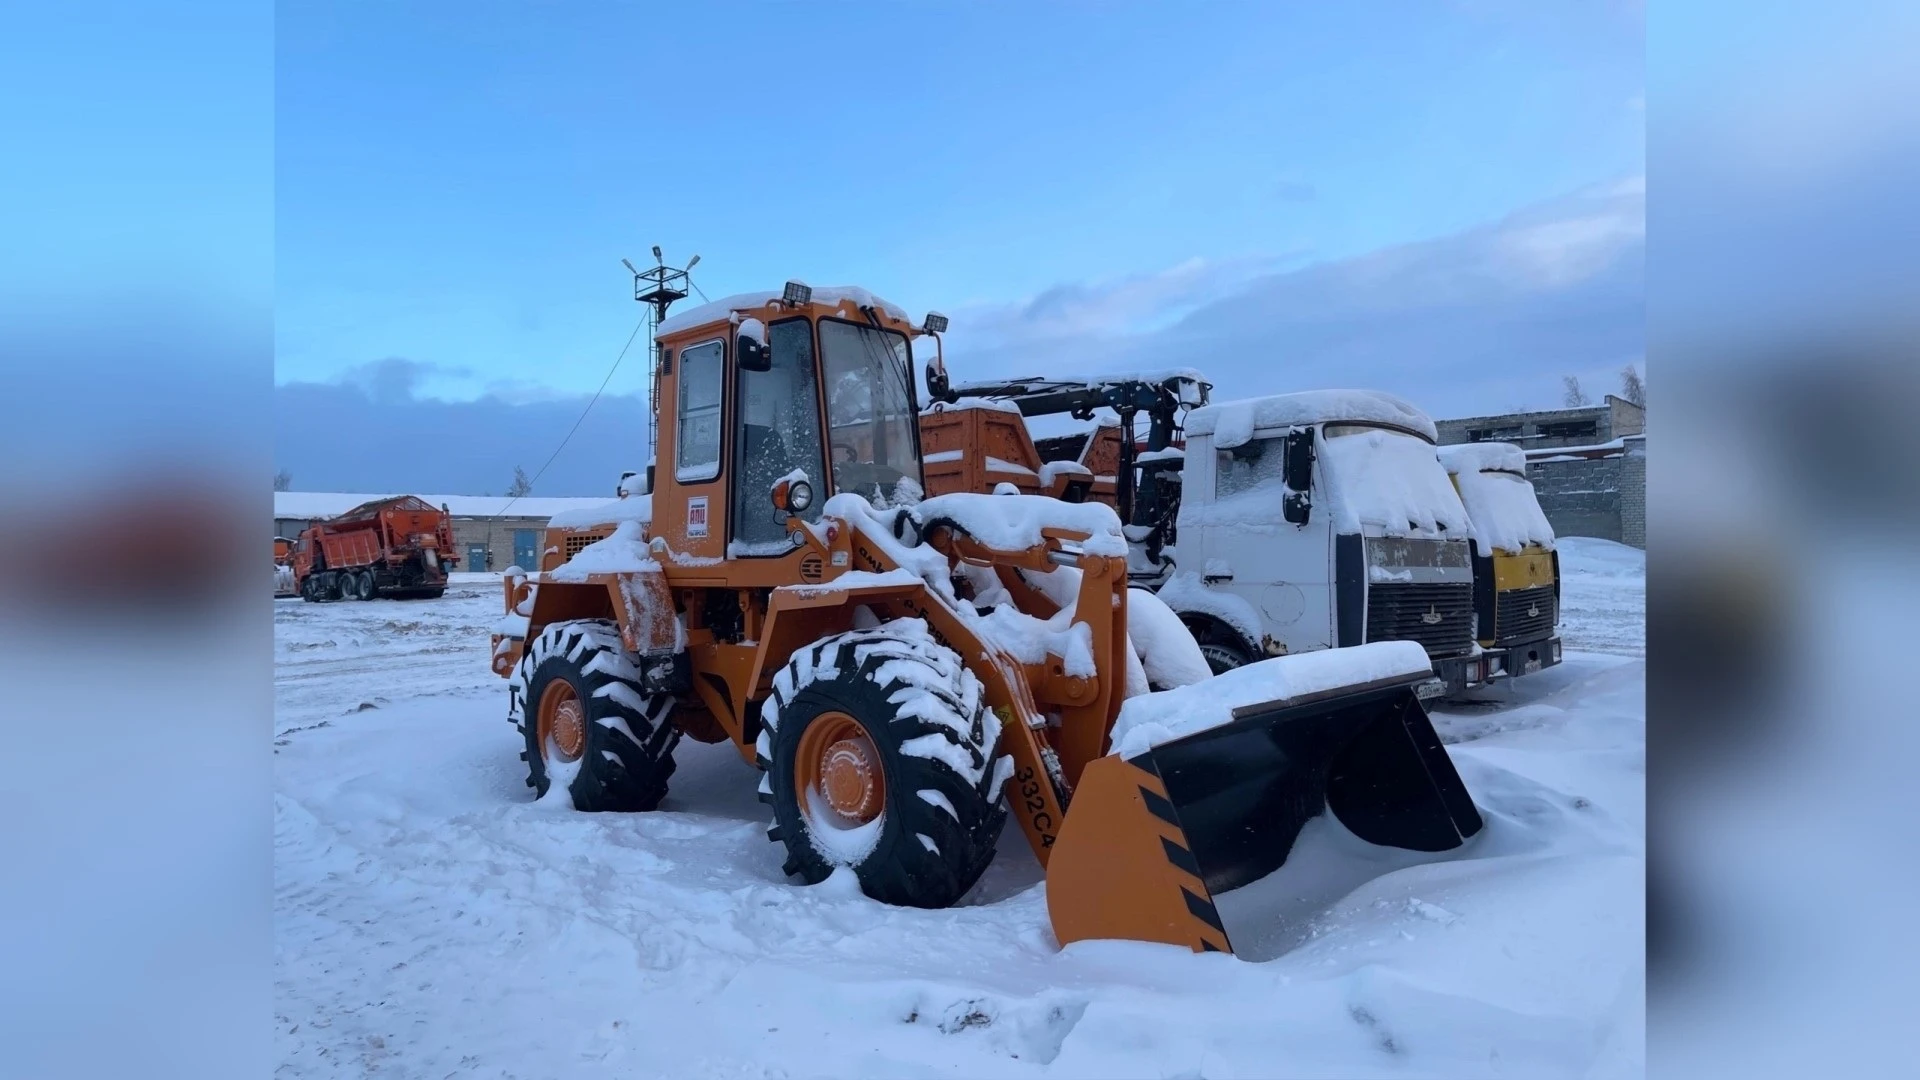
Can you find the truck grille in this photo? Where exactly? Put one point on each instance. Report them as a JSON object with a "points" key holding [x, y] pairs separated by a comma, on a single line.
{"points": [[1523, 615], [1439, 617]]}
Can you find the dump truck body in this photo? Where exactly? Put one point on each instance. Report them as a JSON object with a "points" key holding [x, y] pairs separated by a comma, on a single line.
{"points": [[904, 670], [1320, 520], [399, 547], [1516, 569]]}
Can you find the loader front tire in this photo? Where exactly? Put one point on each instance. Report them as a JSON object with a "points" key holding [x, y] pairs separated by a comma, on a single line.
{"points": [[576, 700], [879, 754]]}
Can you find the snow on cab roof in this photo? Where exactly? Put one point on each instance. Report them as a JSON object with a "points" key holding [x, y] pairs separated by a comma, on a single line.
{"points": [[1484, 457], [320, 505], [1234, 422], [723, 308]]}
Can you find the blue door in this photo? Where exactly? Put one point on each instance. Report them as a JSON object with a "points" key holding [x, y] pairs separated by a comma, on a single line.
{"points": [[476, 557], [526, 552]]}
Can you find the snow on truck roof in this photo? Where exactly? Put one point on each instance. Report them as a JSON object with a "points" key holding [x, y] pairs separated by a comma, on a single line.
{"points": [[1502, 509], [1234, 422], [722, 309], [1484, 457], [325, 505]]}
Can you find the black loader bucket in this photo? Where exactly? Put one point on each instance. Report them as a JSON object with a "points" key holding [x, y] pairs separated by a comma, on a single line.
{"points": [[1255, 824]]}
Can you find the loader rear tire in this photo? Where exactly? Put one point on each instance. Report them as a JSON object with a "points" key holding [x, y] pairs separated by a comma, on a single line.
{"points": [[914, 723], [576, 698]]}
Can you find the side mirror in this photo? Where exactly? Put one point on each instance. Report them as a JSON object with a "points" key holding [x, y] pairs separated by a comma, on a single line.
{"points": [[620, 489], [752, 354], [1297, 506]]}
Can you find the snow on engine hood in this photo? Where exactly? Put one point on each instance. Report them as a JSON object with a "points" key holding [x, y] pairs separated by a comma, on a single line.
{"points": [[1391, 483], [1014, 522]]}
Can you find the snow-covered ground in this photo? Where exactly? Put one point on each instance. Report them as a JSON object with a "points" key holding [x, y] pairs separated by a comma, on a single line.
{"points": [[432, 921]]}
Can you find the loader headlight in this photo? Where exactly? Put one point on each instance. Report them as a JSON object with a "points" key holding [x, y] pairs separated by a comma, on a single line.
{"points": [[799, 496]]}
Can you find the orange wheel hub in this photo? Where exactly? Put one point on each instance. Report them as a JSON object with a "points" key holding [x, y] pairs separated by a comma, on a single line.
{"points": [[563, 721], [838, 759]]}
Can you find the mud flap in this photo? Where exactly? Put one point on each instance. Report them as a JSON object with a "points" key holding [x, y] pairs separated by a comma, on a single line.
{"points": [[1155, 847]]}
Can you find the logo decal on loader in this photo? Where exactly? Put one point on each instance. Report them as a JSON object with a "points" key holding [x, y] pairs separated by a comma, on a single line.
{"points": [[1533, 611], [697, 516], [1432, 616]]}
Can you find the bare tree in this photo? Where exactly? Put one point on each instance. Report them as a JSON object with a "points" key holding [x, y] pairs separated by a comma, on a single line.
{"points": [[521, 485], [1576, 397], [283, 481], [1632, 386]]}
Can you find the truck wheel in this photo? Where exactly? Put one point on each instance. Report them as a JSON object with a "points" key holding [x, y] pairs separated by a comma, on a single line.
{"points": [[878, 754], [576, 700], [363, 586], [1221, 646]]}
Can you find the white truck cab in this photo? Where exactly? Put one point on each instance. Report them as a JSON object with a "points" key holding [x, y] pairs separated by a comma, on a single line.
{"points": [[1318, 520]]}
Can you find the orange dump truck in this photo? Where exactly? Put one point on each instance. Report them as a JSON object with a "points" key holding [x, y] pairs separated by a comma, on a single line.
{"points": [[400, 547]]}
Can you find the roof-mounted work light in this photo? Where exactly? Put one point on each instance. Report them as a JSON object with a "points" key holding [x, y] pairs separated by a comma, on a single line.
{"points": [[936, 323], [797, 292]]}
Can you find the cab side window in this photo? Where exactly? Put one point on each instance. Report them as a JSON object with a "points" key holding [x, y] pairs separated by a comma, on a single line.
{"points": [[702, 374]]}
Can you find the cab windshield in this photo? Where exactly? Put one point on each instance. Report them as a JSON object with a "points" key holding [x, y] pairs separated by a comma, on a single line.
{"points": [[871, 420], [1334, 431]]}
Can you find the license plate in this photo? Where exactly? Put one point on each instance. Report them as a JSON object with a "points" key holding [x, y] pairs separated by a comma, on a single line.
{"points": [[1430, 689]]}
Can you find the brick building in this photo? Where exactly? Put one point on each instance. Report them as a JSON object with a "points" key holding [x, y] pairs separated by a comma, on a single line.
{"points": [[1588, 465], [509, 529], [1588, 425]]}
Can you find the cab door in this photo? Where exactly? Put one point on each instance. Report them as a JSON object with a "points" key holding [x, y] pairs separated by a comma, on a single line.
{"points": [[1250, 549]]}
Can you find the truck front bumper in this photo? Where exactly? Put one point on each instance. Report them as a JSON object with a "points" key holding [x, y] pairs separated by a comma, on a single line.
{"points": [[1460, 674]]}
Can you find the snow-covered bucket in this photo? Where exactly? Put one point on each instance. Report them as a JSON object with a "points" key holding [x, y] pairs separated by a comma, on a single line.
{"points": [[1233, 809]]}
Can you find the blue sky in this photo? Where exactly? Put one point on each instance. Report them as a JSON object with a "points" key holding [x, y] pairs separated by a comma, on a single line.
{"points": [[457, 184]]}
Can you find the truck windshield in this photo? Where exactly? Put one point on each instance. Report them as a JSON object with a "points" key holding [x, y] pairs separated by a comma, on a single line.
{"points": [[1334, 431], [872, 432]]}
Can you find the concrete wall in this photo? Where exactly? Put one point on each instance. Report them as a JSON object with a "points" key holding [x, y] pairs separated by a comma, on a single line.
{"points": [[1633, 493], [1581, 497], [497, 534]]}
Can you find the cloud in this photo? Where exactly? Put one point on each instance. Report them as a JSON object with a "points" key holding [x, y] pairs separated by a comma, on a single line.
{"points": [[372, 431], [395, 379], [1462, 324], [1131, 303], [1295, 191], [1465, 324]]}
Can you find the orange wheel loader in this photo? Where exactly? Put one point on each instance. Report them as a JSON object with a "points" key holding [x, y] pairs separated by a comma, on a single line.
{"points": [[903, 671]]}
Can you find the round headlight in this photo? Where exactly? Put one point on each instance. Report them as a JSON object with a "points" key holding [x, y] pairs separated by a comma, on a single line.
{"points": [[799, 496]]}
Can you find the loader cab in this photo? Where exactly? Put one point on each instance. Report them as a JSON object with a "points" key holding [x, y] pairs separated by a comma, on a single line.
{"points": [[764, 396]]}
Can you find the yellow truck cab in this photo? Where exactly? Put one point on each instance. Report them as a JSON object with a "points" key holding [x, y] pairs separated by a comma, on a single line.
{"points": [[1516, 571]]}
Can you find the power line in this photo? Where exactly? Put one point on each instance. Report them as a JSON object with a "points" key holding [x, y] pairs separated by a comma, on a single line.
{"points": [[644, 319]]}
